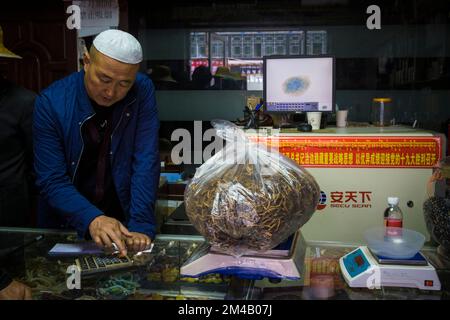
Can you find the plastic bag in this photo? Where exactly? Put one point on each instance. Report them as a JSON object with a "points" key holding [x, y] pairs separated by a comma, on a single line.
{"points": [[436, 208], [248, 198]]}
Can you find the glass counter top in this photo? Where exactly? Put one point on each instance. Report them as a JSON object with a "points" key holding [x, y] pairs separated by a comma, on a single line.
{"points": [[322, 279], [156, 276]]}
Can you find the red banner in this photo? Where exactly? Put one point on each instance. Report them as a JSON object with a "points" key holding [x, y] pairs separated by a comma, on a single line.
{"points": [[358, 151]]}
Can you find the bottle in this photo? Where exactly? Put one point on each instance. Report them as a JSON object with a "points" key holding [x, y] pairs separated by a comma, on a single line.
{"points": [[393, 217], [381, 113]]}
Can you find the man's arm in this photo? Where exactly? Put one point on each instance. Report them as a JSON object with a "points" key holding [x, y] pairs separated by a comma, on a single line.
{"points": [[50, 166], [146, 166]]}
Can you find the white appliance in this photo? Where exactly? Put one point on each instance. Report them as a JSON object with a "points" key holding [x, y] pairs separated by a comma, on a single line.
{"points": [[354, 198], [363, 269], [280, 263]]}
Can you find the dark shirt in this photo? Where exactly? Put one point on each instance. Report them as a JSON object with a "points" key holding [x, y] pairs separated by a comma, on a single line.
{"points": [[16, 154], [94, 177], [16, 112]]}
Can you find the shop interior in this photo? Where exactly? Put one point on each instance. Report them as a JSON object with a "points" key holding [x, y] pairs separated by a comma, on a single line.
{"points": [[362, 117]]}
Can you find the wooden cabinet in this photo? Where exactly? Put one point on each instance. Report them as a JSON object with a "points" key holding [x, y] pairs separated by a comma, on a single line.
{"points": [[38, 33]]}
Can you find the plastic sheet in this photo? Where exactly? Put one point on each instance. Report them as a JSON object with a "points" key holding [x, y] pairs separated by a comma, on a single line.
{"points": [[248, 198]]}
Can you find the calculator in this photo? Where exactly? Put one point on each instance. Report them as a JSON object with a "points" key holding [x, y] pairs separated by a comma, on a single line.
{"points": [[89, 265]]}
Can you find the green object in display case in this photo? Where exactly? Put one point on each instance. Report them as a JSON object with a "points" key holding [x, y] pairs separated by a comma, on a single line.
{"points": [[24, 254], [154, 276]]}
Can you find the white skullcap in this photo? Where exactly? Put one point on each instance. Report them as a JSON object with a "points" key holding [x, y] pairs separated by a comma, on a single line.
{"points": [[119, 45]]}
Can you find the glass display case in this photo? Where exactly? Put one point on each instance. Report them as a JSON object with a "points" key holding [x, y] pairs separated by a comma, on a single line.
{"points": [[322, 279], [156, 275]]}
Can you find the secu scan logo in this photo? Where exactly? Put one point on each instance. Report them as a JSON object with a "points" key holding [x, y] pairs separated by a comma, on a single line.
{"points": [[346, 200], [322, 201]]}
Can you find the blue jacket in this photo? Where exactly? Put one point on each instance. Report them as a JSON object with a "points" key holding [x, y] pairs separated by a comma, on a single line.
{"points": [[59, 114]]}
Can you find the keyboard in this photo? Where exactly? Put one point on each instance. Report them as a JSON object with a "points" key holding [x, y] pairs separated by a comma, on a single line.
{"points": [[287, 126], [89, 265]]}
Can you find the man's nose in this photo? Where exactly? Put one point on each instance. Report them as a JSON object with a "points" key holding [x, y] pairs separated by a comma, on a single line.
{"points": [[109, 92]]}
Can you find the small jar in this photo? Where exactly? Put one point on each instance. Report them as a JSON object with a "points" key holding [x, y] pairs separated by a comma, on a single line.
{"points": [[381, 113]]}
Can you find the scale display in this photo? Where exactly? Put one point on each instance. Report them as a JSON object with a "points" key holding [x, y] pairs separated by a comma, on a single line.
{"points": [[362, 269], [356, 263]]}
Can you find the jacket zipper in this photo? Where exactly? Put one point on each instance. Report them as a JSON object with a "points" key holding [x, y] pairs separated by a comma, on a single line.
{"points": [[111, 158], [82, 140], [120, 119], [82, 146]]}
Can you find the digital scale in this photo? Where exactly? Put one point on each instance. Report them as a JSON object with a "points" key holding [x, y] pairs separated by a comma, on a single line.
{"points": [[283, 262], [363, 269]]}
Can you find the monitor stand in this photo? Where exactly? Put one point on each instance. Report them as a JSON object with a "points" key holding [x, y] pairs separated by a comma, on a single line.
{"points": [[286, 121], [293, 120], [283, 121]]}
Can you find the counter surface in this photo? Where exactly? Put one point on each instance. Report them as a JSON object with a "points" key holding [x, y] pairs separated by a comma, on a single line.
{"points": [[348, 131], [157, 274]]}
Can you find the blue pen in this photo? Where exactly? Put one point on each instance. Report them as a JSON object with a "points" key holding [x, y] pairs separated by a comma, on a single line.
{"points": [[258, 106]]}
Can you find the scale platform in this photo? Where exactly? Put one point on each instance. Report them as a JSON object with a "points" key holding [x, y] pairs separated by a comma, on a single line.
{"points": [[363, 269], [282, 262]]}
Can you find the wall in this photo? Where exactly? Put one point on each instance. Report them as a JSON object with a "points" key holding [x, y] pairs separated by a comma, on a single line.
{"points": [[423, 101], [37, 33], [161, 44], [181, 105], [429, 107]]}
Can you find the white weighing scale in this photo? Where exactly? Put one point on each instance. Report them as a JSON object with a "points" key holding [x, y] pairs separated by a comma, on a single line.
{"points": [[363, 269], [279, 263]]}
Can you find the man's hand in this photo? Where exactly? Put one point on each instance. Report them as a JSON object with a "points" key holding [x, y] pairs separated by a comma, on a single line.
{"points": [[138, 242], [16, 291], [105, 230]]}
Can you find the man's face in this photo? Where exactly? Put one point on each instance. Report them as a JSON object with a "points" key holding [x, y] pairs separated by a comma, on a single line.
{"points": [[107, 80]]}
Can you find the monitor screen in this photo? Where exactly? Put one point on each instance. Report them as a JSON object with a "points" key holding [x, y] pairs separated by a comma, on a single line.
{"points": [[298, 84]]}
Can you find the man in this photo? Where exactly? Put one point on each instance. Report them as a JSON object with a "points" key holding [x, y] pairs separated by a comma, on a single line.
{"points": [[96, 147], [16, 112], [16, 109]]}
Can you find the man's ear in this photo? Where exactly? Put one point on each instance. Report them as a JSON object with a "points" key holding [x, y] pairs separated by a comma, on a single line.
{"points": [[86, 60]]}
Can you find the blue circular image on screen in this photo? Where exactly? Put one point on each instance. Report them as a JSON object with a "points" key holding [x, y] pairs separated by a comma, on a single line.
{"points": [[295, 85]]}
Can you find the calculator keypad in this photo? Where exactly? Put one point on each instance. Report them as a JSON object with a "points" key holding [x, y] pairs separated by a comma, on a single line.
{"points": [[94, 264]]}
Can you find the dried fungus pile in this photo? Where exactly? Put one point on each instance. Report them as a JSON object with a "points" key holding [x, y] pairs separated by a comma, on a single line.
{"points": [[239, 209]]}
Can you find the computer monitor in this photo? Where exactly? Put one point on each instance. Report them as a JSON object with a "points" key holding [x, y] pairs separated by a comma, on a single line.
{"points": [[299, 83]]}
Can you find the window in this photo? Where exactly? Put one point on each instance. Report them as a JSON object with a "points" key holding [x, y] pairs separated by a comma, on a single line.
{"points": [[202, 51], [294, 49], [257, 50], [281, 49], [236, 52], [217, 49], [316, 42], [244, 49], [269, 50], [198, 45]]}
